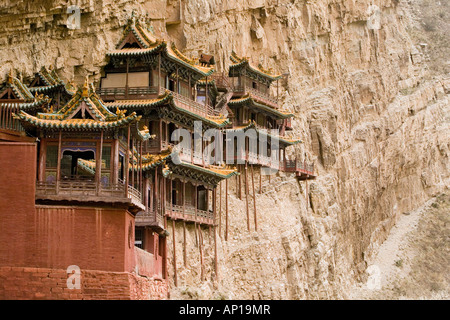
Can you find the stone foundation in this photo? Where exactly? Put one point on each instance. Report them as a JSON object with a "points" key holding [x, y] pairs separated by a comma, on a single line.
{"points": [[51, 284]]}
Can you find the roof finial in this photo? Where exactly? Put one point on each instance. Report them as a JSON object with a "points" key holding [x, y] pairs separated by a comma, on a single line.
{"points": [[10, 76], [86, 87]]}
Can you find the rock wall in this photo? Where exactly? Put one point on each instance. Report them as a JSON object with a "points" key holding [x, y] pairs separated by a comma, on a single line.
{"points": [[370, 115]]}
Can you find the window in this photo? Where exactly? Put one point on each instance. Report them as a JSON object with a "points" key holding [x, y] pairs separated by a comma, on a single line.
{"points": [[52, 156], [139, 238]]}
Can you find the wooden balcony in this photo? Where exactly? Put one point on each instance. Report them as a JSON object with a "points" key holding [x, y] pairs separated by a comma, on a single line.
{"points": [[85, 190], [7, 121], [150, 219], [142, 93], [189, 214], [194, 106], [130, 93], [301, 169], [266, 98]]}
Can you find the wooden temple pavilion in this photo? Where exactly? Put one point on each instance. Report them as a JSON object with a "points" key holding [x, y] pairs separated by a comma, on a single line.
{"points": [[169, 91], [112, 146]]}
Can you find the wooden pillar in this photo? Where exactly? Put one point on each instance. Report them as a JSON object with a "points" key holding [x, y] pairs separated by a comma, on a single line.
{"points": [[195, 210], [200, 234], [132, 164], [171, 199], [58, 168], [184, 224], [177, 82], [216, 267], [164, 257], [141, 172], [115, 167], [226, 210], [159, 73], [127, 163], [98, 164], [42, 160], [160, 134], [155, 192], [206, 94], [278, 89], [260, 180], [126, 79], [184, 244], [240, 184], [307, 196], [220, 209], [184, 198], [174, 255], [246, 197], [254, 200]]}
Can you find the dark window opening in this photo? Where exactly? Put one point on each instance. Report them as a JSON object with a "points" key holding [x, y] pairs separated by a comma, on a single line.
{"points": [[139, 238], [70, 168], [121, 167], [171, 85]]}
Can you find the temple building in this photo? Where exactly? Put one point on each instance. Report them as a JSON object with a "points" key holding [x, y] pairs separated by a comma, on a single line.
{"points": [[114, 169]]}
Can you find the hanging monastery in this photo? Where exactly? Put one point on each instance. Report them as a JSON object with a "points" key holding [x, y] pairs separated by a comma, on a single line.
{"points": [[94, 180]]}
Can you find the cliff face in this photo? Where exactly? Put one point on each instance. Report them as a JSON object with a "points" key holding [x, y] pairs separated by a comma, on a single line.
{"points": [[370, 115]]}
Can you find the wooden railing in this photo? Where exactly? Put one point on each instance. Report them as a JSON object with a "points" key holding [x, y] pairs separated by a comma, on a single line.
{"points": [[7, 121], [189, 213], [153, 218], [297, 166], [194, 106], [85, 188], [129, 92], [146, 92], [264, 97]]}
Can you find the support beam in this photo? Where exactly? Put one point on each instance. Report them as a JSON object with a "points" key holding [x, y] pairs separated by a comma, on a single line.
{"points": [[195, 221], [133, 167], [226, 210], [127, 163], [260, 180], [58, 168], [220, 209], [98, 164], [246, 197], [201, 252], [159, 73], [174, 255], [307, 196], [184, 245], [254, 200], [42, 160]]}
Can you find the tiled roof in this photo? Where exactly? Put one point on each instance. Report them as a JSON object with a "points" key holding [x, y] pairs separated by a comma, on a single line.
{"points": [[243, 62], [254, 101], [150, 45], [253, 125]]}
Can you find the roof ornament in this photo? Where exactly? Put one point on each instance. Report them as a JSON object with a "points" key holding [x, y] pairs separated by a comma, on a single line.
{"points": [[86, 88], [10, 76], [120, 113]]}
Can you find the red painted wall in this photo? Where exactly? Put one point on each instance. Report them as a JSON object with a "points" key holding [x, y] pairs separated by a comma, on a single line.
{"points": [[17, 209], [91, 238]]}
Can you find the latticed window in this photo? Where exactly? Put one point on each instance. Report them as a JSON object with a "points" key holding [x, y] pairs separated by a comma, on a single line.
{"points": [[106, 157], [52, 157]]}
